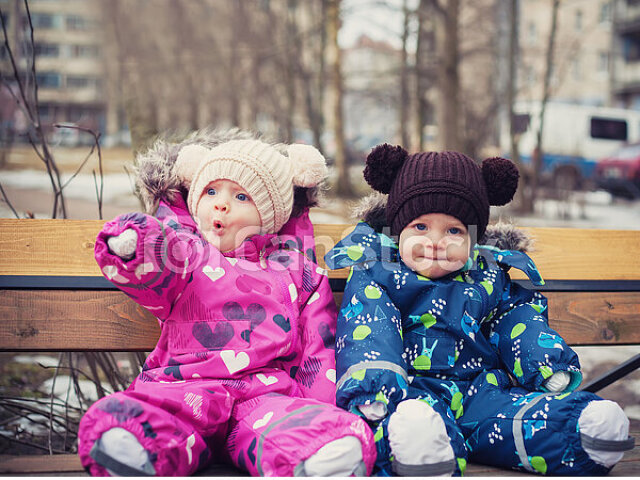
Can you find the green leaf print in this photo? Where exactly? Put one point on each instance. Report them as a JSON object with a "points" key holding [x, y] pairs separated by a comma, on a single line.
{"points": [[545, 371], [539, 464], [488, 286], [537, 307], [423, 362], [372, 293], [517, 368], [428, 320], [517, 330], [462, 465], [354, 252], [361, 332], [491, 378]]}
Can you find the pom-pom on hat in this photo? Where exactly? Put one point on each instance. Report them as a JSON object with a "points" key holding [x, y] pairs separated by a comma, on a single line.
{"points": [[267, 175], [439, 182]]}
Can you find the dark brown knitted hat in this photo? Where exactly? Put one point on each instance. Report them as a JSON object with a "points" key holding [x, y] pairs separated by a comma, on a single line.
{"points": [[439, 182]]}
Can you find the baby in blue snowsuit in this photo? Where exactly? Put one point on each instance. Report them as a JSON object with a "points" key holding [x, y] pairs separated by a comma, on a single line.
{"points": [[446, 357]]}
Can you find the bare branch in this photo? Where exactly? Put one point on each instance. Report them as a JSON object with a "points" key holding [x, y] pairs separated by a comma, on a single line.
{"points": [[6, 200], [14, 66]]}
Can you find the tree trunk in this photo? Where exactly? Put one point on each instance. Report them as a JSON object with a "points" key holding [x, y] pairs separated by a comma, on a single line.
{"points": [[522, 198], [449, 78], [546, 87], [343, 185], [404, 80]]}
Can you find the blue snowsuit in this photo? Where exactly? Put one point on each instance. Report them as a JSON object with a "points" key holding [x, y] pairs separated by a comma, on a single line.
{"points": [[474, 345]]}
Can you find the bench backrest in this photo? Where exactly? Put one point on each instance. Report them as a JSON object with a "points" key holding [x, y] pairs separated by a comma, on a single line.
{"points": [[54, 298]]}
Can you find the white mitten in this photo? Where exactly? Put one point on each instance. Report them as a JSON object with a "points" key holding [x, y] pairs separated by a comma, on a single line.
{"points": [[124, 245], [373, 411], [557, 382]]}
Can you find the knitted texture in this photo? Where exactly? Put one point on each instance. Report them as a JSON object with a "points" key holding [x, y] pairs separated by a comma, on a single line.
{"points": [[438, 182], [267, 175]]}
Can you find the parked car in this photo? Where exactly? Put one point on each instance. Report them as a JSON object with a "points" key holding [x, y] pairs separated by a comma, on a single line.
{"points": [[619, 173]]}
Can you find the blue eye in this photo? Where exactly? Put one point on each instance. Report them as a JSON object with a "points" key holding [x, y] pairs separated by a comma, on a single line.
{"points": [[420, 226], [243, 197], [211, 191], [457, 231]]}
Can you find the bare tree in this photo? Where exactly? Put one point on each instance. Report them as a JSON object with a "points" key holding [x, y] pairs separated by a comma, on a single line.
{"points": [[546, 87], [448, 76], [23, 86], [343, 186], [424, 66], [404, 78], [514, 42]]}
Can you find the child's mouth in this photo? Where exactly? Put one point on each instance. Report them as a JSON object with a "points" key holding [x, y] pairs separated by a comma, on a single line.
{"points": [[218, 226]]}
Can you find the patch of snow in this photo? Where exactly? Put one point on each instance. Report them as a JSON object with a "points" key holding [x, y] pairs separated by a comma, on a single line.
{"points": [[116, 185], [633, 412], [592, 356], [44, 360], [64, 387]]}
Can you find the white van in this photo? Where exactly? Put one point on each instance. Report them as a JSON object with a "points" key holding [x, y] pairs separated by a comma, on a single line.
{"points": [[574, 138]]}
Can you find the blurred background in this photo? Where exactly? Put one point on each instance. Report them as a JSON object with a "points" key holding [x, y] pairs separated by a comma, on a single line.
{"points": [[85, 84]]}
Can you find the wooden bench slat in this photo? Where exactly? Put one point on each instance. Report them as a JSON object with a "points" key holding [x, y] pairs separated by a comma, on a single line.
{"points": [[65, 247], [61, 320]]}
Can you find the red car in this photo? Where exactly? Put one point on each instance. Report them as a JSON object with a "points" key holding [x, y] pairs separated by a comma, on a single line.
{"points": [[619, 173]]}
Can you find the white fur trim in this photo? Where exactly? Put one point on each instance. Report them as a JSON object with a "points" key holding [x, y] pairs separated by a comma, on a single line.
{"points": [[189, 160], [309, 166]]}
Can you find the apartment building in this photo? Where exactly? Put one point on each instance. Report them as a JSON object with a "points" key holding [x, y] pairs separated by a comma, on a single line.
{"points": [[582, 57], [625, 79], [70, 66]]}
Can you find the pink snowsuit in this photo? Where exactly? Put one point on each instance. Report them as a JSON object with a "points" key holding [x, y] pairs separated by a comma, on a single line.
{"points": [[244, 370]]}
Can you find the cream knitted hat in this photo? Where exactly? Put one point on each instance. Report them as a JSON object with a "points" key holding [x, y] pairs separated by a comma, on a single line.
{"points": [[267, 175]]}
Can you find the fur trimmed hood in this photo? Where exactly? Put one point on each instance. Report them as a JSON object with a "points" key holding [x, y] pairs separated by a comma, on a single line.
{"points": [[156, 179], [505, 236]]}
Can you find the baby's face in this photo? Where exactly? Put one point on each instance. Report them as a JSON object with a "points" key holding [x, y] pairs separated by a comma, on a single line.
{"points": [[435, 244], [227, 215]]}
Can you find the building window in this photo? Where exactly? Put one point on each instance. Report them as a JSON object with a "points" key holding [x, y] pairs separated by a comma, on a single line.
{"points": [[48, 79], [85, 51], [605, 12], [603, 62], [44, 20], [47, 50], [46, 112], [631, 49], [77, 22], [531, 76], [578, 21], [532, 33], [80, 82]]}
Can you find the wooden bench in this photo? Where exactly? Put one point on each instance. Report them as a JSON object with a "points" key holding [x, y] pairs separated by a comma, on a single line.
{"points": [[53, 298]]}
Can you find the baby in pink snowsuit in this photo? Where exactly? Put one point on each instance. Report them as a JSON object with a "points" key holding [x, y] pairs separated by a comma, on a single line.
{"points": [[244, 370]]}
